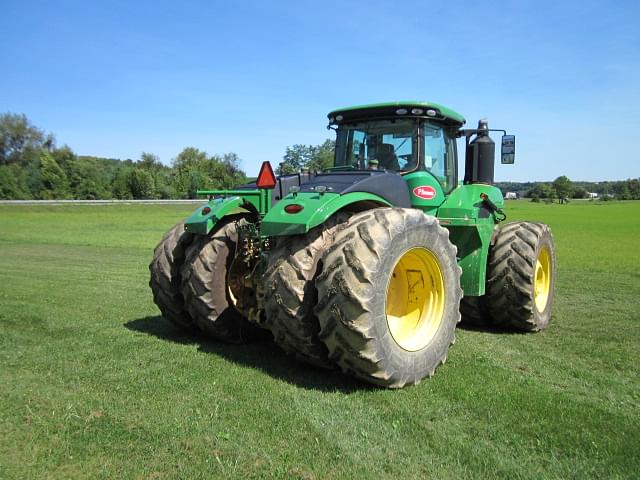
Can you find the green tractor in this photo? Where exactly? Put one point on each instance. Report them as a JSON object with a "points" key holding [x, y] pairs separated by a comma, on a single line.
{"points": [[368, 265]]}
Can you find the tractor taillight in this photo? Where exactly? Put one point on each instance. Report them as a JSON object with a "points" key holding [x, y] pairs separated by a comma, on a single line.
{"points": [[206, 210], [266, 178], [293, 208]]}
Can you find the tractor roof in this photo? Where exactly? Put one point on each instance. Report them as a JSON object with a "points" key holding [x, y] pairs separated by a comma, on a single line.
{"points": [[404, 108]]}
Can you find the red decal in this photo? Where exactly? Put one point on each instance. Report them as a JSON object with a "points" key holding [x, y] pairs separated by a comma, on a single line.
{"points": [[426, 192]]}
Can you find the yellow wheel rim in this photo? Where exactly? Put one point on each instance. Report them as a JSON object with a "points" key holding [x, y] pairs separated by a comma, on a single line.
{"points": [[542, 280], [415, 299]]}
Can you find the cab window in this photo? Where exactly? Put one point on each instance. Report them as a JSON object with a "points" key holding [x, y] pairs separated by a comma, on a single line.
{"points": [[439, 155], [384, 144]]}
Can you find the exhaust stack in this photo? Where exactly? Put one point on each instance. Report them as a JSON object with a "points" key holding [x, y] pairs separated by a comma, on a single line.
{"points": [[480, 156]]}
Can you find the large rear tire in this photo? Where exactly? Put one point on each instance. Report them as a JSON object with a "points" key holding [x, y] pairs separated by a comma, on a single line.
{"points": [[521, 276], [389, 296], [165, 278], [206, 289], [291, 293]]}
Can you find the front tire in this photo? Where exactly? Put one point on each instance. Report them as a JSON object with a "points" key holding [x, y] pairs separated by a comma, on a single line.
{"points": [[389, 296], [521, 277]]}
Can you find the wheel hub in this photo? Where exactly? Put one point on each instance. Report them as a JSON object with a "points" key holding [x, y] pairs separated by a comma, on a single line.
{"points": [[415, 299]]}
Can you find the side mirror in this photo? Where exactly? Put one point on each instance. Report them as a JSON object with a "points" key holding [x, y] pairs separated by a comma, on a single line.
{"points": [[508, 151]]}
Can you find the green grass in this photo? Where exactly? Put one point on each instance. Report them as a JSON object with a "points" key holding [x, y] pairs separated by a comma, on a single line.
{"points": [[93, 384]]}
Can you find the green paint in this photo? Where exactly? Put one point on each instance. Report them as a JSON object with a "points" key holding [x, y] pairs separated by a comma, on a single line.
{"points": [[464, 202], [470, 231], [416, 182], [318, 208], [232, 202], [260, 198], [460, 212], [202, 223], [445, 111]]}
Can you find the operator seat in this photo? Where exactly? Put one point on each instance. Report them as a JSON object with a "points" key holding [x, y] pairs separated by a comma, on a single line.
{"points": [[386, 155]]}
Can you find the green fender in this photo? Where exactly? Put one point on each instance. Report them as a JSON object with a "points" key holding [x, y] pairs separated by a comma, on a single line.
{"points": [[202, 223], [471, 229], [317, 208]]}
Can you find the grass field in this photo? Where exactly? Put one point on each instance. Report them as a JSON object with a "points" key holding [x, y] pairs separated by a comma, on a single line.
{"points": [[94, 384]]}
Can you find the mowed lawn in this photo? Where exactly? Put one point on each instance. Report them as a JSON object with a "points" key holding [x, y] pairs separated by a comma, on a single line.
{"points": [[94, 384]]}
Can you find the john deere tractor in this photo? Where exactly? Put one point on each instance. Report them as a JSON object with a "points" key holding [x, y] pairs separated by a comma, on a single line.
{"points": [[368, 265]]}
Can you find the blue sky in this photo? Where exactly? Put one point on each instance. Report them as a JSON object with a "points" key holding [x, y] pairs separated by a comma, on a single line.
{"points": [[118, 78]]}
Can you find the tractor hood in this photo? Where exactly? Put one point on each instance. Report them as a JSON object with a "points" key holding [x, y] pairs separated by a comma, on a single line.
{"points": [[311, 203]]}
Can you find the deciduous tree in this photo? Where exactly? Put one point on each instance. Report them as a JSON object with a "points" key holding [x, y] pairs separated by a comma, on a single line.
{"points": [[563, 188], [18, 137]]}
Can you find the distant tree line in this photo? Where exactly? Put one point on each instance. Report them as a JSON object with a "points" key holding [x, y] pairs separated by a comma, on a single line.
{"points": [[562, 189], [33, 167]]}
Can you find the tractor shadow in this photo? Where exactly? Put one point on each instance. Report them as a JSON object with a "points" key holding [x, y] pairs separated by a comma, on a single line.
{"points": [[487, 329], [260, 353]]}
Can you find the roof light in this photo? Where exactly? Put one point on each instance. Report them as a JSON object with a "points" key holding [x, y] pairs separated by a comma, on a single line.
{"points": [[321, 189], [417, 111], [401, 111], [293, 208], [431, 113], [266, 178]]}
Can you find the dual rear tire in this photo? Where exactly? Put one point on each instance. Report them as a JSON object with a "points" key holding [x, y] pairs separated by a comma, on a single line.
{"points": [[165, 281], [376, 295], [190, 282], [217, 304]]}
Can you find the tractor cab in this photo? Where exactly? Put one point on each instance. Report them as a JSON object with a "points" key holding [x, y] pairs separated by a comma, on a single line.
{"points": [[403, 137]]}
